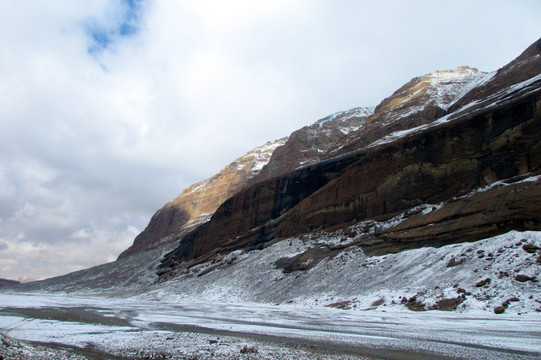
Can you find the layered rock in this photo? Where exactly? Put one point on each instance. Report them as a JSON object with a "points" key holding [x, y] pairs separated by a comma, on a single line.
{"points": [[436, 166], [308, 146], [197, 203], [421, 101], [491, 139]]}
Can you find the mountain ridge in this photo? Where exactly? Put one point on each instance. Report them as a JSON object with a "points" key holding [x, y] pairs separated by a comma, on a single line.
{"points": [[328, 194]]}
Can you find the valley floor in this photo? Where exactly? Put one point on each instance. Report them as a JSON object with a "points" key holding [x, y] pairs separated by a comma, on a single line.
{"points": [[97, 327]]}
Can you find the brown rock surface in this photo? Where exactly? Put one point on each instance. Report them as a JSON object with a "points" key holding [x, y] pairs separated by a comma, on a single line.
{"points": [[421, 101], [197, 203], [307, 146]]}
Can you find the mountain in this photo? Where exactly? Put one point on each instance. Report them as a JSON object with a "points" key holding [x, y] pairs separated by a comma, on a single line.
{"points": [[308, 145], [8, 283], [428, 201], [421, 101], [419, 147], [196, 204]]}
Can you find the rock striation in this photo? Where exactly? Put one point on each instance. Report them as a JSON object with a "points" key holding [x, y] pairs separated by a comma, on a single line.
{"points": [[308, 146], [437, 140]]}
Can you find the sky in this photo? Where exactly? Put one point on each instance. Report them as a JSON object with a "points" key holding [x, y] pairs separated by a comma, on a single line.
{"points": [[110, 108]]}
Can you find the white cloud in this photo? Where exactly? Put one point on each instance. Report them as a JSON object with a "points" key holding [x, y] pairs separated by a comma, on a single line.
{"points": [[97, 133]]}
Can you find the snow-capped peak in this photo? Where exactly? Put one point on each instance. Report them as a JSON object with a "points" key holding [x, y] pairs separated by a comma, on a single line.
{"points": [[358, 112]]}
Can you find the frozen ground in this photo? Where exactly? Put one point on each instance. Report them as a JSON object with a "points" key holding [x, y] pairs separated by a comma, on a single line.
{"points": [[339, 303], [138, 328]]}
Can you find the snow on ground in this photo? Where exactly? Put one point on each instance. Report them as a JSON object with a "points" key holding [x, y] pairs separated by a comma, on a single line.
{"points": [[19, 350], [431, 275], [207, 330], [359, 306]]}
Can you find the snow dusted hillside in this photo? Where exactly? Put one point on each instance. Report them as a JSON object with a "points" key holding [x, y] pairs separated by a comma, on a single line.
{"points": [[308, 145], [329, 270]]}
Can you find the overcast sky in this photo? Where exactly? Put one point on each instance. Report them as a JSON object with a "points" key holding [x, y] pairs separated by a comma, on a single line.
{"points": [[109, 108]]}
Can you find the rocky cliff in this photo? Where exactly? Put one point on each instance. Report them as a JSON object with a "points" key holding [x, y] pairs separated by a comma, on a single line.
{"points": [[308, 146], [421, 101], [197, 203], [423, 145]]}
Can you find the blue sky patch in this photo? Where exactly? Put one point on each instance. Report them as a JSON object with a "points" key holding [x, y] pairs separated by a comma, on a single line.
{"points": [[103, 36]]}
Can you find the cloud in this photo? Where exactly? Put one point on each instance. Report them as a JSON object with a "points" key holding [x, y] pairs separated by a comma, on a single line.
{"points": [[111, 107]]}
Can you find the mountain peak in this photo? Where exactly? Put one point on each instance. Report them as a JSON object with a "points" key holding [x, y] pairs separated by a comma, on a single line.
{"points": [[357, 112]]}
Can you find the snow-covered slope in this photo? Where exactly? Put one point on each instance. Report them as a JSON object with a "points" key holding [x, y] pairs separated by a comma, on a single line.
{"points": [[330, 270]]}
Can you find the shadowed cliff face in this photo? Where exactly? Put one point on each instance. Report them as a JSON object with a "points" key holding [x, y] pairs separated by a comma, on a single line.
{"points": [[491, 139], [435, 166]]}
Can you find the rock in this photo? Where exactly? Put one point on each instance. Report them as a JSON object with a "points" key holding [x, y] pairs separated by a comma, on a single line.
{"points": [[197, 203], [530, 248], [524, 278], [448, 304], [308, 145], [500, 309], [343, 305], [453, 262], [305, 260], [483, 282], [248, 350], [463, 291]]}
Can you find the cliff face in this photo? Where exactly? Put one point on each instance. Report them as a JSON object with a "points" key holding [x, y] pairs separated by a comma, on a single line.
{"points": [[494, 139], [308, 146], [421, 101], [443, 166], [196, 204]]}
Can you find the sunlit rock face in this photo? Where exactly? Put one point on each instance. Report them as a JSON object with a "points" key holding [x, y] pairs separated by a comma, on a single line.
{"points": [[309, 145], [197, 203]]}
